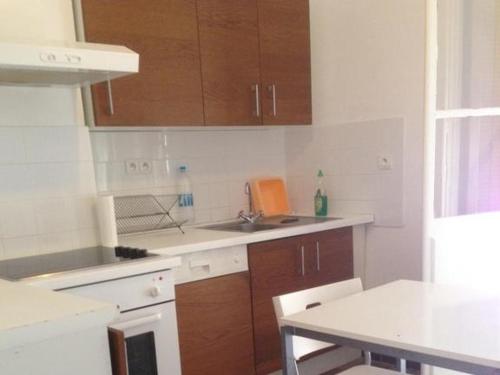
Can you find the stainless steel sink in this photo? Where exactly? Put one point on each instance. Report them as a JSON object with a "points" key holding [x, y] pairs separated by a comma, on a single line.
{"points": [[295, 221], [276, 222], [241, 226]]}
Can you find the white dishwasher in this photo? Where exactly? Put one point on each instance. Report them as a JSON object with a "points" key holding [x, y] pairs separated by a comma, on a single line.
{"points": [[211, 263], [214, 312]]}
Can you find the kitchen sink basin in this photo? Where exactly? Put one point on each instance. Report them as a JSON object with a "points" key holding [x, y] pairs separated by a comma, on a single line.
{"points": [[269, 223], [241, 226]]}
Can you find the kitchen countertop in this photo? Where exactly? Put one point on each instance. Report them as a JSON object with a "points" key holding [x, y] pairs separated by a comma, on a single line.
{"points": [[172, 242], [30, 314]]}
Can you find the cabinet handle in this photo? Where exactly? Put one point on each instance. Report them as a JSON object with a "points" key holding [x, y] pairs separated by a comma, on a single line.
{"points": [[272, 90], [317, 256], [255, 88], [200, 264], [111, 107], [303, 268]]}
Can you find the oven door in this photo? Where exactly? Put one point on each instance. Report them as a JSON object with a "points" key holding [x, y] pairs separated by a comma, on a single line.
{"points": [[145, 342]]}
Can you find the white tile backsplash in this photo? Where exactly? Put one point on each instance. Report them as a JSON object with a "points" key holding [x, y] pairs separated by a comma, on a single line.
{"points": [[16, 181], [219, 162], [48, 188], [63, 179], [21, 246], [12, 145], [41, 106], [59, 241], [201, 196], [50, 175], [55, 215], [17, 219], [348, 154], [64, 144], [46, 166]]}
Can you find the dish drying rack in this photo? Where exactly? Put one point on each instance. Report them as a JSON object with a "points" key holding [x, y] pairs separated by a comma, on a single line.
{"points": [[142, 213]]}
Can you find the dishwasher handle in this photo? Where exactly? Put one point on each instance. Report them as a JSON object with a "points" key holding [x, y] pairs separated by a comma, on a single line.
{"points": [[200, 263]]}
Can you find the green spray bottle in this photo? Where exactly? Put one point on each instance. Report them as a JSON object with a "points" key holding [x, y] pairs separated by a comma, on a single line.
{"points": [[320, 198]]}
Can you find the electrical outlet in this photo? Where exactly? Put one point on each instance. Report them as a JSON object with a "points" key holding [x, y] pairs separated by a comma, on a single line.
{"points": [[132, 166], [145, 166], [384, 162], [141, 166]]}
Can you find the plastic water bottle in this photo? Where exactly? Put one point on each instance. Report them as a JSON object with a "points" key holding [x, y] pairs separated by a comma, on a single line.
{"points": [[185, 192]]}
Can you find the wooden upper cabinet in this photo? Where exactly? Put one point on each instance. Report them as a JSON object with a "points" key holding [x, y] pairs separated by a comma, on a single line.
{"points": [[212, 62], [229, 48], [285, 61], [167, 90]]}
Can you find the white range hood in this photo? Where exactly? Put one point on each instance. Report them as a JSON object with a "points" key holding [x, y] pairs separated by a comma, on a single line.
{"points": [[64, 64]]}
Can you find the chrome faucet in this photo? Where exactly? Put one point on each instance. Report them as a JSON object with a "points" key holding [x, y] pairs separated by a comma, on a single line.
{"points": [[251, 217]]}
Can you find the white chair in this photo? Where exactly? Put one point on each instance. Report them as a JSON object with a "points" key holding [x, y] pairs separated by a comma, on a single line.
{"points": [[326, 360]]}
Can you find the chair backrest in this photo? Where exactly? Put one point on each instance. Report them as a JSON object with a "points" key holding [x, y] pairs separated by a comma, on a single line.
{"points": [[295, 302]]}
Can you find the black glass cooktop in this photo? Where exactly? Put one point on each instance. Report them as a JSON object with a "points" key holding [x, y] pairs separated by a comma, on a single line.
{"points": [[20, 268]]}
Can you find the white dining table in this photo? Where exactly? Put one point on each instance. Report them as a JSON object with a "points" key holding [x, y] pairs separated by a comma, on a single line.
{"points": [[440, 325]]}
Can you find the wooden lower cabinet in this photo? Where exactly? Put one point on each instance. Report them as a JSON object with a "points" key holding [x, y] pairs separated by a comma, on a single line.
{"points": [[287, 265], [215, 326], [329, 256]]}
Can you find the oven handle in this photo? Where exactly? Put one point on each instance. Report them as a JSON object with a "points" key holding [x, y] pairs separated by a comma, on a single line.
{"points": [[118, 351], [123, 326]]}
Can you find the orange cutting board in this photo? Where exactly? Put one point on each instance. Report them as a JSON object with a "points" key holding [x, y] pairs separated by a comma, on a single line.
{"points": [[269, 196]]}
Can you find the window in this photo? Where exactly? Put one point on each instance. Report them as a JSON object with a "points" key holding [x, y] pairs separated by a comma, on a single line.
{"points": [[462, 204]]}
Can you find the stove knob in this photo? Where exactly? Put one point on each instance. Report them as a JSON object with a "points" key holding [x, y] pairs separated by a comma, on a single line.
{"points": [[119, 251], [155, 291], [125, 252], [133, 253]]}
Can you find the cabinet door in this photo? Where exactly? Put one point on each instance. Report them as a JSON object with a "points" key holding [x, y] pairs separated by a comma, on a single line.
{"points": [[167, 90], [275, 268], [288, 265], [285, 61], [229, 48], [215, 326], [329, 256]]}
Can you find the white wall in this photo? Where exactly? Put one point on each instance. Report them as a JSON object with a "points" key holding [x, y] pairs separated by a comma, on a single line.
{"points": [[47, 182], [368, 61]]}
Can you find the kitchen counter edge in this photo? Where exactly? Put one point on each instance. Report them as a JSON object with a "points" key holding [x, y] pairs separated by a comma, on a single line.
{"points": [[196, 239]]}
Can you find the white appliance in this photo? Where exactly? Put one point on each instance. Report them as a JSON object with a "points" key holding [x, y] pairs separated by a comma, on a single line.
{"points": [[144, 339], [64, 63]]}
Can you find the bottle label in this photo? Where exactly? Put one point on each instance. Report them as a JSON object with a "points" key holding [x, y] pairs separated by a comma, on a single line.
{"points": [[186, 200], [321, 205]]}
